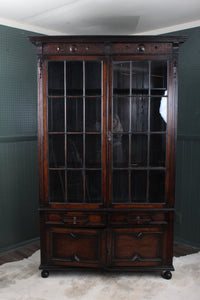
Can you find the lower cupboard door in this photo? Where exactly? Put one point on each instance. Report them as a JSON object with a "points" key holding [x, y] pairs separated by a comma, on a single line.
{"points": [[139, 247], [76, 247]]}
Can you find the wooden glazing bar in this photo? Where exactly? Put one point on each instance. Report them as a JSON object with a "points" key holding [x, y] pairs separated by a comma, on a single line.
{"points": [[84, 183], [148, 143], [130, 113], [65, 118]]}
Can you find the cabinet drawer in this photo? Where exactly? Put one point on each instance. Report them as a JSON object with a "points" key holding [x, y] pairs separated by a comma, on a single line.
{"points": [[144, 48], [139, 218], [137, 247], [76, 247], [73, 49], [76, 219]]}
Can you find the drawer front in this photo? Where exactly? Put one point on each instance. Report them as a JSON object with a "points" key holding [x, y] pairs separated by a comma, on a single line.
{"points": [[76, 219], [73, 49], [138, 247], [138, 218], [106, 48], [141, 48], [76, 247]]}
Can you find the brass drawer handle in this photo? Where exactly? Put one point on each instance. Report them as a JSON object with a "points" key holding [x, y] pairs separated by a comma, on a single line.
{"points": [[138, 220], [75, 220]]}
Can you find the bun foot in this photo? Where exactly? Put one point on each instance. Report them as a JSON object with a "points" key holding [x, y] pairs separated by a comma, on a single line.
{"points": [[167, 275], [45, 274]]}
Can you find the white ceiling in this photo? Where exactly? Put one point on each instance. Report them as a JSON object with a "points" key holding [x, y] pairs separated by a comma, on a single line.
{"points": [[91, 17]]}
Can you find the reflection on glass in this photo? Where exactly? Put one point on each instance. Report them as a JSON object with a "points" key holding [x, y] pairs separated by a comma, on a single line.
{"points": [[93, 186], [138, 186], [138, 150], [57, 186], [56, 151], [56, 78], [92, 151], [163, 107], [140, 77], [157, 150], [158, 77], [56, 115], [93, 114], [120, 150], [156, 186], [74, 151], [121, 78], [93, 78], [120, 186], [121, 114], [75, 186], [139, 114], [74, 114], [74, 78], [157, 123]]}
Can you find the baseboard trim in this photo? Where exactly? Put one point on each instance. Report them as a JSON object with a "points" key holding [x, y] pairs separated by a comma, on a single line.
{"points": [[186, 243], [19, 245]]}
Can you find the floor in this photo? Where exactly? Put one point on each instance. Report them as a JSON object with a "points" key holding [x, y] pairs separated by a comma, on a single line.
{"points": [[179, 250]]}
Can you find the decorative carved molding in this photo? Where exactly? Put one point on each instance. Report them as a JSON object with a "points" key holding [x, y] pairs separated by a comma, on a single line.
{"points": [[174, 69], [40, 67]]}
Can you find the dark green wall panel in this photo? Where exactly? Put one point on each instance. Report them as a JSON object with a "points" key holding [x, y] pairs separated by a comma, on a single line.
{"points": [[187, 223], [19, 220], [19, 193]]}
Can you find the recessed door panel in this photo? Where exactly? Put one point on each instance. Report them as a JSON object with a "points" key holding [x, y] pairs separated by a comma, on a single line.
{"points": [[137, 247], [76, 247]]}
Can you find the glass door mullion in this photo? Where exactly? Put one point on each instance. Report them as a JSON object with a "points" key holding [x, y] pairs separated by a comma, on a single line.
{"points": [[83, 171], [130, 126], [65, 128], [148, 142]]}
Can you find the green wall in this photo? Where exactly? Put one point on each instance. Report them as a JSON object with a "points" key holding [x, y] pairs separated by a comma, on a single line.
{"points": [[187, 222], [18, 139]]}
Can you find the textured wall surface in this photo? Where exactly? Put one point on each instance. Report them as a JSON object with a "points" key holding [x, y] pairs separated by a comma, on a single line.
{"points": [[187, 225], [18, 139]]}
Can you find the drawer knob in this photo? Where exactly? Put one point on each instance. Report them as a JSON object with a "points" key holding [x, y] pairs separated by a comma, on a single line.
{"points": [[73, 236], [139, 235], [136, 257], [74, 220], [73, 48], [141, 48], [76, 258]]}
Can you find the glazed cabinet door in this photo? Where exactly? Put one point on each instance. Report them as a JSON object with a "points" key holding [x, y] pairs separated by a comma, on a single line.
{"points": [[138, 130], [75, 131]]}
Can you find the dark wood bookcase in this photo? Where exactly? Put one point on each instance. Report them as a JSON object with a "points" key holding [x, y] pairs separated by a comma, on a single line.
{"points": [[107, 110]]}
